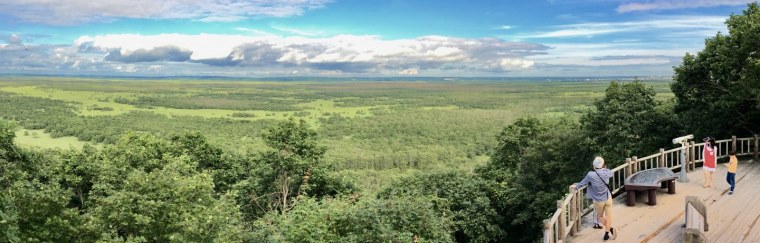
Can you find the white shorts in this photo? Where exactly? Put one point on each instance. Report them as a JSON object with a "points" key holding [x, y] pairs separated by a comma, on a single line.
{"points": [[708, 169]]}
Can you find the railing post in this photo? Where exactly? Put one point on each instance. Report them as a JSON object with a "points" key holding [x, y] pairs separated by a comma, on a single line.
{"points": [[578, 210], [573, 211], [548, 236], [688, 156], [661, 162], [692, 156], [733, 145], [628, 168], [561, 220], [635, 160], [756, 138]]}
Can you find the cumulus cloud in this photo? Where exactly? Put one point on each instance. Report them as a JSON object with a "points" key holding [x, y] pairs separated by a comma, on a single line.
{"points": [[62, 12], [14, 39], [35, 57], [408, 72], [676, 4], [344, 53], [508, 63]]}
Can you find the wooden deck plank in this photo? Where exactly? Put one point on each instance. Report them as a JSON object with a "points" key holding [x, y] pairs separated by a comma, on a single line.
{"points": [[737, 213], [732, 218]]}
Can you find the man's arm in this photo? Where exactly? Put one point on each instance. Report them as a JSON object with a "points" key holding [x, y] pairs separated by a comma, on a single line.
{"points": [[583, 182]]}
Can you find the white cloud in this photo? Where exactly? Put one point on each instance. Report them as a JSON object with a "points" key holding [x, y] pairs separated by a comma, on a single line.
{"points": [[408, 72], [301, 32], [254, 32], [676, 4], [706, 24], [62, 12], [14, 39], [345, 53], [508, 63]]}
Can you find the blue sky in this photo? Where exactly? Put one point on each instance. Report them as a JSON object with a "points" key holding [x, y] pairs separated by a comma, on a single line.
{"points": [[262, 38]]}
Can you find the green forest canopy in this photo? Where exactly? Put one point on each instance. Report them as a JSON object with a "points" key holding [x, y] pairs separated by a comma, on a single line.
{"points": [[142, 187]]}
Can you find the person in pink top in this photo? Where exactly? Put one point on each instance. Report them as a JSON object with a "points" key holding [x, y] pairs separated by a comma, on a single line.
{"points": [[709, 154]]}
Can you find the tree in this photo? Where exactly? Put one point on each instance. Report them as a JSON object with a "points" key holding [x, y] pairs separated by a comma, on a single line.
{"points": [[8, 149], [531, 168], [468, 199], [628, 122], [356, 219], [9, 231], [292, 168], [718, 89], [295, 153]]}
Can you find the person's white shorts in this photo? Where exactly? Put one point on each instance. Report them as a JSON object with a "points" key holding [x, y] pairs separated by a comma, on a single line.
{"points": [[708, 169]]}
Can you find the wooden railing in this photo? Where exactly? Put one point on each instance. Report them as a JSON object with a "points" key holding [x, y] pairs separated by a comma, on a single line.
{"points": [[566, 219]]}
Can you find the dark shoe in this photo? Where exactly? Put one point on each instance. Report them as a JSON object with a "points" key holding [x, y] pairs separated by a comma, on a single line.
{"points": [[606, 236], [613, 233], [597, 226], [731, 193]]}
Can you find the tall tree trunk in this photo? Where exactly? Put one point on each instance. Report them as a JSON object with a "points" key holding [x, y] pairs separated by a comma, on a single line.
{"points": [[285, 188]]}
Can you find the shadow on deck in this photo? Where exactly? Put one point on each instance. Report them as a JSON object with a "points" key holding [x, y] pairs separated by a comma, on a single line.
{"points": [[732, 218]]}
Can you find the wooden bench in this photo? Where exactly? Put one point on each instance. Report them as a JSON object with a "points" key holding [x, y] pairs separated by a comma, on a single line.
{"points": [[649, 180], [696, 221]]}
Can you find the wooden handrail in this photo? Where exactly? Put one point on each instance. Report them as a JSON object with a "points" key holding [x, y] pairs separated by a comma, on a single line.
{"points": [[574, 200], [700, 207], [690, 233]]}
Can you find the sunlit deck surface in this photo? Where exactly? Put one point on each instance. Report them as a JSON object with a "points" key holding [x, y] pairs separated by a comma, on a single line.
{"points": [[731, 218]]}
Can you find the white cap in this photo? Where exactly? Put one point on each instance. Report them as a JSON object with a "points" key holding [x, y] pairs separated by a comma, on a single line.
{"points": [[598, 162]]}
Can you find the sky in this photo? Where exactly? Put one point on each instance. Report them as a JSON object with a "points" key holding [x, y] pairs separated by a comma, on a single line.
{"points": [[356, 38]]}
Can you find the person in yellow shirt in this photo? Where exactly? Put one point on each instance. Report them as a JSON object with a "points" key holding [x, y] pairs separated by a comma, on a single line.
{"points": [[731, 176]]}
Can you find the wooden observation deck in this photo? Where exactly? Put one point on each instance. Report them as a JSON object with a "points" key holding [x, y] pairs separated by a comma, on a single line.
{"points": [[731, 218]]}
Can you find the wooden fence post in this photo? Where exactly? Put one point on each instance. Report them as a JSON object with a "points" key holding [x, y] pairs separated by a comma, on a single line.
{"points": [[692, 156], [573, 211], [756, 138], [561, 221], [661, 162], [548, 235], [733, 145], [628, 168], [687, 159], [579, 210], [635, 160]]}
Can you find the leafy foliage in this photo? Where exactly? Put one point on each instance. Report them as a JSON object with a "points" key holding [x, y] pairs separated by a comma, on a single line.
{"points": [[717, 89], [142, 188], [468, 200], [628, 122], [395, 219], [530, 170]]}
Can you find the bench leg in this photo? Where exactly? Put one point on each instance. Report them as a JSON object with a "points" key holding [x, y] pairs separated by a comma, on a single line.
{"points": [[671, 187], [652, 197], [664, 184], [630, 198]]}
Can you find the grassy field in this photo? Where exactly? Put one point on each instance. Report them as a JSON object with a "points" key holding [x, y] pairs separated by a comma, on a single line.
{"points": [[373, 130], [43, 140], [95, 103]]}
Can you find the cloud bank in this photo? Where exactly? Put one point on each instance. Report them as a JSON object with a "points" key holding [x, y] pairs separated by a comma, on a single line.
{"points": [[67, 12], [342, 53]]}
